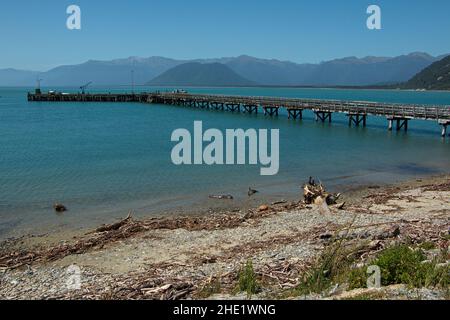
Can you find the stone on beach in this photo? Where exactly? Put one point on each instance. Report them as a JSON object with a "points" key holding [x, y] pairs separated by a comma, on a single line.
{"points": [[59, 207]]}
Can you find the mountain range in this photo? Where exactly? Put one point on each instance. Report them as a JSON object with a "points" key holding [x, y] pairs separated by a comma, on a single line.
{"points": [[242, 70], [201, 75], [434, 77]]}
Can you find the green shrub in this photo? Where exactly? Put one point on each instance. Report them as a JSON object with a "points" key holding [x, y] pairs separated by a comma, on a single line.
{"points": [[432, 275], [444, 255], [399, 264], [247, 279], [357, 278], [428, 245], [402, 265]]}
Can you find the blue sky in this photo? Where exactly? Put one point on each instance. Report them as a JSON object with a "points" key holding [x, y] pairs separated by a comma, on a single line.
{"points": [[34, 34]]}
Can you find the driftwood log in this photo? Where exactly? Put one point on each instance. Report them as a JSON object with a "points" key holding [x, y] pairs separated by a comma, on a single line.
{"points": [[315, 192], [222, 197], [114, 226]]}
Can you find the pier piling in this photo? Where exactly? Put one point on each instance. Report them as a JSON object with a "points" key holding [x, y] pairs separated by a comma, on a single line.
{"points": [[357, 119], [271, 110], [323, 116], [295, 113], [250, 108], [401, 123], [444, 124], [233, 107], [217, 106]]}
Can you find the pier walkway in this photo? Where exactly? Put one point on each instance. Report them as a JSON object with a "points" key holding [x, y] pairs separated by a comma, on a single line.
{"points": [[396, 114]]}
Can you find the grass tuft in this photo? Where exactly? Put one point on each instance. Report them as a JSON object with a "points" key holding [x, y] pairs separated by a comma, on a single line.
{"points": [[247, 280], [329, 268], [210, 288], [428, 245]]}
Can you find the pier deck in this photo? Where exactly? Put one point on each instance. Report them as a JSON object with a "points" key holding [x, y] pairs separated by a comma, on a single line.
{"points": [[357, 111]]}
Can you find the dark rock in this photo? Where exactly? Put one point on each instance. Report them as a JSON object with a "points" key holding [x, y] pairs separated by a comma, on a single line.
{"points": [[325, 236], [59, 207], [251, 192], [389, 234]]}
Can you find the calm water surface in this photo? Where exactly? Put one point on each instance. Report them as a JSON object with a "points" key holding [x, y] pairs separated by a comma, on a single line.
{"points": [[103, 160]]}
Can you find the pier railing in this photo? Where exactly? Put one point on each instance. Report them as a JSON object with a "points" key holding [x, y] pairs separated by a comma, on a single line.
{"points": [[350, 107]]}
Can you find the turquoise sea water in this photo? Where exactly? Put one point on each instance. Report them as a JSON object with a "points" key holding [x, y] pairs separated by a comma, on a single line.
{"points": [[102, 160]]}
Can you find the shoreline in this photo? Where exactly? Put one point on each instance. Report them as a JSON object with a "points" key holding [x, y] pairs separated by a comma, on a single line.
{"points": [[199, 205], [187, 252], [203, 206]]}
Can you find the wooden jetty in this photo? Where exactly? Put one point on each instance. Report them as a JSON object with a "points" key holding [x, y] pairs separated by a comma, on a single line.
{"points": [[396, 114]]}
